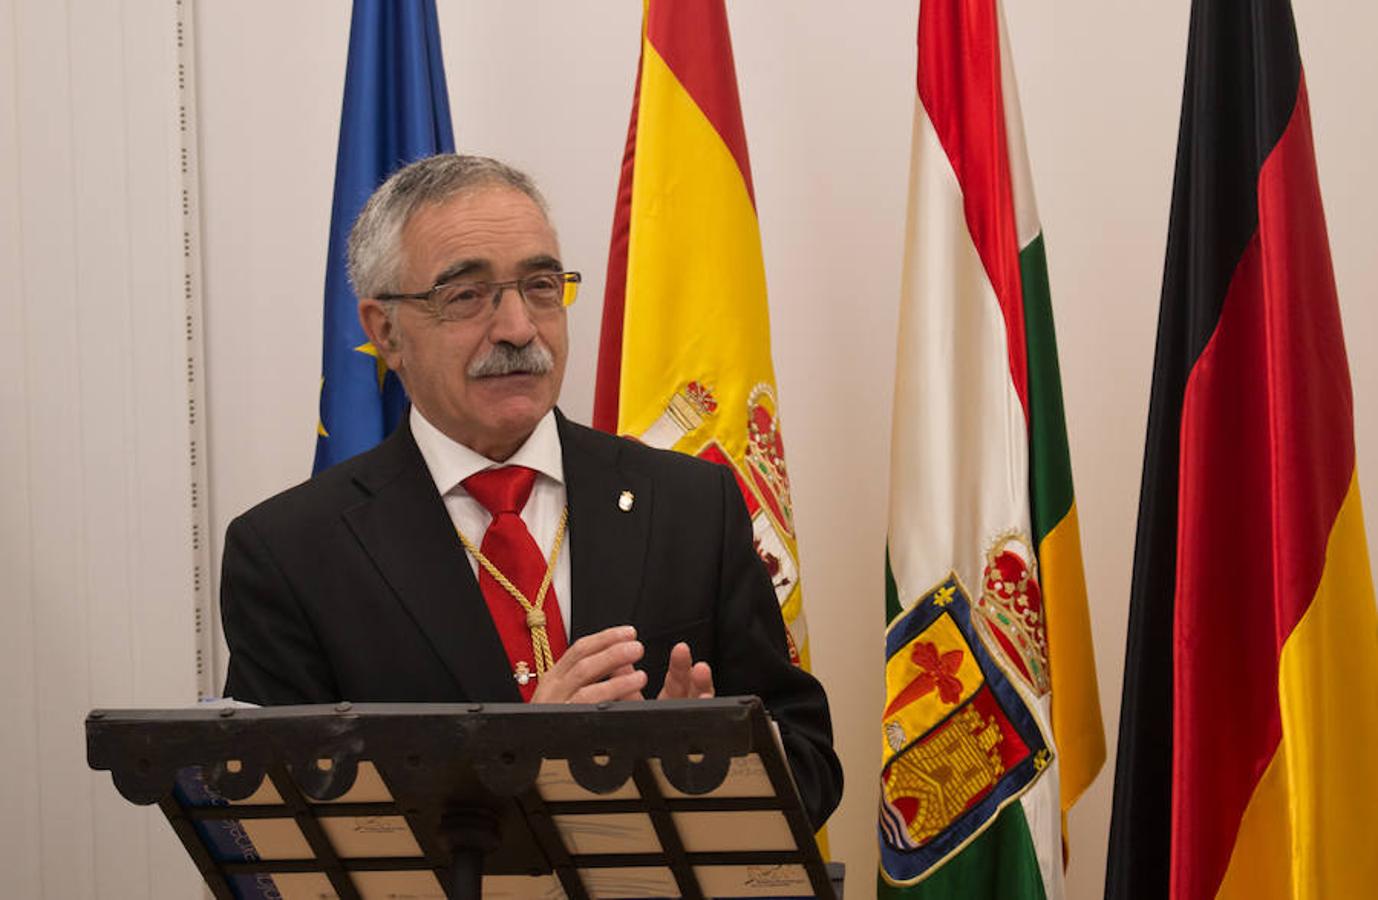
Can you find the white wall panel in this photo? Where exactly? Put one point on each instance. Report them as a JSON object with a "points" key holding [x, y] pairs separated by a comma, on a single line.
{"points": [[51, 349], [18, 691], [95, 529], [107, 507]]}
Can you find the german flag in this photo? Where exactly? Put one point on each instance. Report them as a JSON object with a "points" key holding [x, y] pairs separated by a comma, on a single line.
{"points": [[1250, 704]]}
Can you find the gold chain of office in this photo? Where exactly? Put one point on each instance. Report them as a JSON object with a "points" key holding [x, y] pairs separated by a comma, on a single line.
{"points": [[535, 615]]}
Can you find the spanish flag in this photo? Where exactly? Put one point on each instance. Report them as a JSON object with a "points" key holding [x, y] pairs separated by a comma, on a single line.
{"points": [[992, 726], [684, 359], [1250, 707]]}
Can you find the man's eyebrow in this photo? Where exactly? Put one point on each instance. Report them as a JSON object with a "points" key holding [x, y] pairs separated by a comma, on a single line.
{"points": [[461, 268], [542, 262]]}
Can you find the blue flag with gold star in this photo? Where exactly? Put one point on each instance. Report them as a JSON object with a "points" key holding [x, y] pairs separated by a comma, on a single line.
{"points": [[396, 110]]}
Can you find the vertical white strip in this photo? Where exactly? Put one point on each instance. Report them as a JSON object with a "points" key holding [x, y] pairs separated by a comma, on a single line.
{"points": [[51, 348], [100, 361], [108, 428], [19, 796], [209, 645], [166, 371]]}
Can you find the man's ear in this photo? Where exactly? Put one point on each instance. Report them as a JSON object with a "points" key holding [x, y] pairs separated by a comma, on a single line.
{"points": [[382, 331]]}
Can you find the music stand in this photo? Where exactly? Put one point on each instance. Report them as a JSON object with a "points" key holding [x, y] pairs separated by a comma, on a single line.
{"points": [[675, 798]]}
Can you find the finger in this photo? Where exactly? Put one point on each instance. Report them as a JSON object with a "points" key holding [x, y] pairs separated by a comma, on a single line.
{"points": [[597, 655], [635, 695], [603, 664], [701, 681], [597, 642], [625, 686], [589, 659], [676, 685], [565, 680]]}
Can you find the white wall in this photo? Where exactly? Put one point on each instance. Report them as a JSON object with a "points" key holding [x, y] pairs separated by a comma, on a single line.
{"points": [[93, 528], [97, 566]]}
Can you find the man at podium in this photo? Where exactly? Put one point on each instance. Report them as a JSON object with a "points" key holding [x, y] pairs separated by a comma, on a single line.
{"points": [[490, 549]]}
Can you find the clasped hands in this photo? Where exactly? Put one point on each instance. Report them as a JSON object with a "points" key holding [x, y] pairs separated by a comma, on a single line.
{"points": [[602, 666]]}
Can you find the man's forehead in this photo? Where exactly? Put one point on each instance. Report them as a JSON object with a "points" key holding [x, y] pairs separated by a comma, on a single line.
{"points": [[480, 229], [480, 207]]}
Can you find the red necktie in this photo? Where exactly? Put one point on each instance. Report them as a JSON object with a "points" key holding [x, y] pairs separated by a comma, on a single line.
{"points": [[508, 545]]}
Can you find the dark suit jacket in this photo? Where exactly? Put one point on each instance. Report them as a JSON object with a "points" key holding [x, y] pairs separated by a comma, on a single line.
{"points": [[353, 585]]}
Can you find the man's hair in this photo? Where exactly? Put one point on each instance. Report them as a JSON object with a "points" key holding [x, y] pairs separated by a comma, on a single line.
{"points": [[374, 255]]}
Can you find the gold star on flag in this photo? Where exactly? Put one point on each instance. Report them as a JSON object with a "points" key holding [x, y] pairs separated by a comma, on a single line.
{"points": [[368, 349], [320, 426]]}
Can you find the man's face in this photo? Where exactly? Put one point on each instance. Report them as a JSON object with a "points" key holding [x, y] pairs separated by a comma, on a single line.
{"points": [[490, 233]]}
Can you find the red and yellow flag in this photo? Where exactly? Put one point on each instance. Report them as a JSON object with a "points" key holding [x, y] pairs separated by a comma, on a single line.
{"points": [[1250, 706], [684, 361]]}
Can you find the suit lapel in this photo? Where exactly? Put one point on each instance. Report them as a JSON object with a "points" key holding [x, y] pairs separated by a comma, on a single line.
{"points": [[405, 529], [607, 543]]}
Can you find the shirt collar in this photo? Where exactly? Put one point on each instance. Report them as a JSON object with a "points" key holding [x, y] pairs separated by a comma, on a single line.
{"points": [[450, 462]]}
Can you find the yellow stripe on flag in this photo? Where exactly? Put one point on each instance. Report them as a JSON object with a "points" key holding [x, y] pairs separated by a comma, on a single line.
{"points": [[1071, 659], [1306, 832], [702, 318]]}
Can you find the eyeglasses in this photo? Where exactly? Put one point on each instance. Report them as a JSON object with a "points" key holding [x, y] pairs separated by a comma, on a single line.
{"points": [[457, 301]]}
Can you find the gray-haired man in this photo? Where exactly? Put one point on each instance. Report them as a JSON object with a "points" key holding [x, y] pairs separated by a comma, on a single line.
{"points": [[491, 549]]}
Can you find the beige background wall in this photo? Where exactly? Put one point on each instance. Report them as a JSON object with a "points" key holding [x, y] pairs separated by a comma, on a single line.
{"points": [[827, 94], [103, 555]]}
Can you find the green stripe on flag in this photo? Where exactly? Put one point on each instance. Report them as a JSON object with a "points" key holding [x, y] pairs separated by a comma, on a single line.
{"points": [[1000, 863], [1050, 461]]}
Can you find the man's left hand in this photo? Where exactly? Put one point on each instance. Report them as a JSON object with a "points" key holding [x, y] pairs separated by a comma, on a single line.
{"points": [[686, 679]]}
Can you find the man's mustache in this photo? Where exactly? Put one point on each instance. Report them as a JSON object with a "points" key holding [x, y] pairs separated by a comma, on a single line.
{"points": [[509, 359]]}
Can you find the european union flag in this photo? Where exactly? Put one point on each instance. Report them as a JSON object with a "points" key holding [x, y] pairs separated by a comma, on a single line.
{"points": [[396, 110]]}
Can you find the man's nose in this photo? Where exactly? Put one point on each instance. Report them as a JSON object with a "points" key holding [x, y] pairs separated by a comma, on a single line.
{"points": [[512, 322]]}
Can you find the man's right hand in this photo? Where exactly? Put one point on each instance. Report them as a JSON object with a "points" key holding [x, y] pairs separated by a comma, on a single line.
{"points": [[595, 668]]}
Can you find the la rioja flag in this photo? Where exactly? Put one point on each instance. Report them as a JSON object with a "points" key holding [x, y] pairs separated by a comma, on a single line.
{"points": [[991, 728]]}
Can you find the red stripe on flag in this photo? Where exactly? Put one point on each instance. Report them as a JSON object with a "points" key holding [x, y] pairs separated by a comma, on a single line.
{"points": [[960, 86], [693, 39], [1266, 458], [607, 386]]}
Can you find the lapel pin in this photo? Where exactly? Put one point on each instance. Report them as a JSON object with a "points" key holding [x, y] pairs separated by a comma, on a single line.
{"points": [[624, 502]]}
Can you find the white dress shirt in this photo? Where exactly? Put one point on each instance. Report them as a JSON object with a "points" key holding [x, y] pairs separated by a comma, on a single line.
{"points": [[450, 463]]}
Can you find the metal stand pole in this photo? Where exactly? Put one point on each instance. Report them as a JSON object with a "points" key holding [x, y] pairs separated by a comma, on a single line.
{"points": [[468, 834]]}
